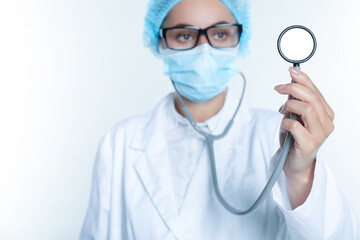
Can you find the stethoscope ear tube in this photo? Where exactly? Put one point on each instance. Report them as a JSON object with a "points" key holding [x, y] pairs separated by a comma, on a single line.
{"points": [[210, 145]]}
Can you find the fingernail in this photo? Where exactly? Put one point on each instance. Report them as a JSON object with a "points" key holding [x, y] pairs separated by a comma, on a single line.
{"points": [[283, 130], [279, 87], [281, 108], [294, 71]]}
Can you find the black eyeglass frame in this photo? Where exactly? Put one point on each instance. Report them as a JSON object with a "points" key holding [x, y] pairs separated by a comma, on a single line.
{"points": [[200, 32]]}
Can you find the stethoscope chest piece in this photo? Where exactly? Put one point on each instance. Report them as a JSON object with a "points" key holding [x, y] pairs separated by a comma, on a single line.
{"points": [[296, 44]]}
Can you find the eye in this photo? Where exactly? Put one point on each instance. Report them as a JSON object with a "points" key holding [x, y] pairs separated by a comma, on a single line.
{"points": [[220, 35], [184, 37]]}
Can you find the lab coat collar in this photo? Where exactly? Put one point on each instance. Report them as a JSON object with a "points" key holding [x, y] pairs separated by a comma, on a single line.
{"points": [[154, 172], [154, 127], [153, 167]]}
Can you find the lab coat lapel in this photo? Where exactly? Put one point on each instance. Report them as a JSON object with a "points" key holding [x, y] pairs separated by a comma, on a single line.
{"points": [[153, 169]]}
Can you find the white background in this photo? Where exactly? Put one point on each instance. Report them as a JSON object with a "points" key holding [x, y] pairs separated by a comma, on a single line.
{"points": [[70, 69]]}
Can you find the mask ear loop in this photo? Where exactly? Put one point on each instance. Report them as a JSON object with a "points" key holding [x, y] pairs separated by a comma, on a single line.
{"points": [[210, 144]]}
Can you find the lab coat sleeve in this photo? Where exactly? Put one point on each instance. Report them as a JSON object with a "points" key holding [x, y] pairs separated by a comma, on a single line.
{"points": [[97, 221], [325, 214]]}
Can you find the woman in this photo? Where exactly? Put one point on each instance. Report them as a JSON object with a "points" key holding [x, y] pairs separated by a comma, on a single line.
{"points": [[152, 176]]}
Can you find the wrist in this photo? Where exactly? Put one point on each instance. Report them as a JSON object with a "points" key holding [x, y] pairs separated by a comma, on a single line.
{"points": [[300, 184], [301, 175]]}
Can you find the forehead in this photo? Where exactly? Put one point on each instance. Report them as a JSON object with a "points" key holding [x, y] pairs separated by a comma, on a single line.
{"points": [[200, 13]]}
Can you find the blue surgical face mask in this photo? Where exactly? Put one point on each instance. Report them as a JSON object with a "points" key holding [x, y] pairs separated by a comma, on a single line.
{"points": [[201, 73]]}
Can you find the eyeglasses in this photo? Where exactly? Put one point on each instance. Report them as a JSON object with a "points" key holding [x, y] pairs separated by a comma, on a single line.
{"points": [[218, 36]]}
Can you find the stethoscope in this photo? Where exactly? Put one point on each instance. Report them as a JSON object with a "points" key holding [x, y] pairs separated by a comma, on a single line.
{"points": [[293, 35]]}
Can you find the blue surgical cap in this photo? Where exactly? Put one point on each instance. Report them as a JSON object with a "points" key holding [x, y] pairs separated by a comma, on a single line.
{"points": [[159, 9]]}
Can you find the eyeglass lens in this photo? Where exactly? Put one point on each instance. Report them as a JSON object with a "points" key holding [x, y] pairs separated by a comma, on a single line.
{"points": [[218, 36]]}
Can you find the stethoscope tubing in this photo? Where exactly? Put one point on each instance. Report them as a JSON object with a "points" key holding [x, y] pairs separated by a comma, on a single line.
{"points": [[210, 145]]}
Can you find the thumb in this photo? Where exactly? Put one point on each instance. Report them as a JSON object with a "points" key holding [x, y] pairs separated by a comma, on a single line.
{"points": [[282, 130]]}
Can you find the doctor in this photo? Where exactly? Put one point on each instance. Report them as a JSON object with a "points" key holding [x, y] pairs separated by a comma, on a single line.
{"points": [[151, 177]]}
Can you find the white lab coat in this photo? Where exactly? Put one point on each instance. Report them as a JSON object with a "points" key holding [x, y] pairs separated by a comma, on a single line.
{"points": [[132, 193]]}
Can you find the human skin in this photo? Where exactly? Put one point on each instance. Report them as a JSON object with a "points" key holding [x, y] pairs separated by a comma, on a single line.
{"points": [[315, 121]]}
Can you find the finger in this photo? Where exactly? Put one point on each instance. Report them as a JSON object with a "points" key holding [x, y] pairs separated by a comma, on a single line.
{"points": [[287, 115], [284, 111], [303, 79], [304, 94], [300, 134], [298, 91], [307, 113]]}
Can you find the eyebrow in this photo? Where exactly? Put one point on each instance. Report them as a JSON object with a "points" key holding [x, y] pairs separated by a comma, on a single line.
{"points": [[187, 25]]}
